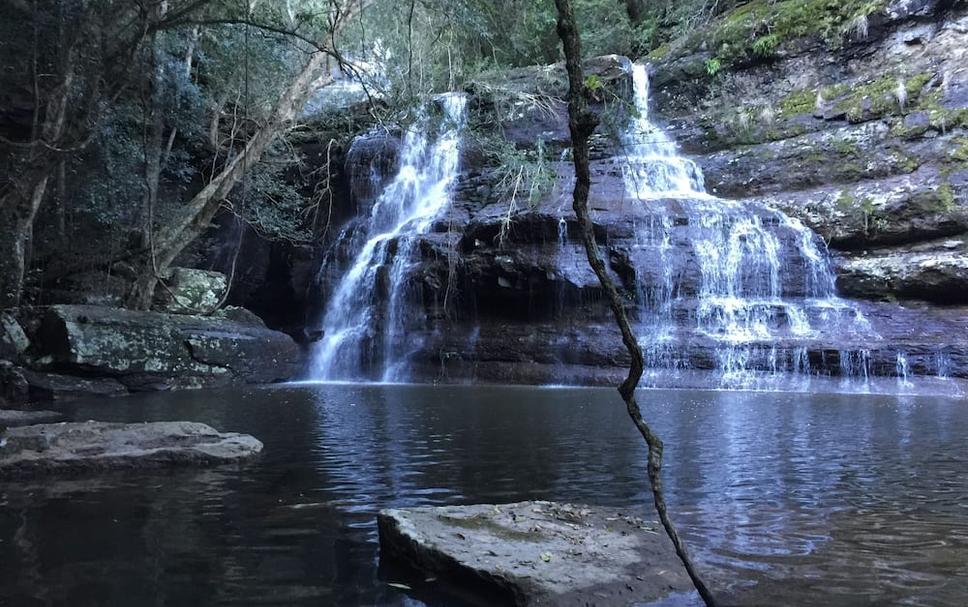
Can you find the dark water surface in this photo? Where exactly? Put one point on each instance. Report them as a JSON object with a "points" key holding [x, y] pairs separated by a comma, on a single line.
{"points": [[786, 499]]}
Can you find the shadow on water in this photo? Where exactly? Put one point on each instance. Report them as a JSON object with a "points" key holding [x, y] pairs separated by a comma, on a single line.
{"points": [[786, 499]]}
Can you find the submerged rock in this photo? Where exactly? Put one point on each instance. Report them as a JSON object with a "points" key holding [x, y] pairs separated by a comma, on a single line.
{"points": [[537, 553], [90, 446], [13, 419]]}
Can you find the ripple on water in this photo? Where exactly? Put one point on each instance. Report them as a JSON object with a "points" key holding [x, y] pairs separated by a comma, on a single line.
{"points": [[784, 499]]}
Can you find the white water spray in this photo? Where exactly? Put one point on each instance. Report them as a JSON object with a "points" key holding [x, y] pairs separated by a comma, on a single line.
{"points": [[763, 276], [365, 317]]}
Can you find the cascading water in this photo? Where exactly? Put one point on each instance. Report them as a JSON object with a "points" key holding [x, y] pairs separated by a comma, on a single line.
{"points": [[730, 277], [365, 317]]}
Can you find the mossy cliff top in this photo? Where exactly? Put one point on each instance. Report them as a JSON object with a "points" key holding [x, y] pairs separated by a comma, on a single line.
{"points": [[759, 30]]}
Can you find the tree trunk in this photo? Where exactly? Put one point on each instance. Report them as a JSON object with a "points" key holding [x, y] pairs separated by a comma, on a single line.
{"points": [[17, 212], [196, 216], [582, 123], [19, 205], [635, 10]]}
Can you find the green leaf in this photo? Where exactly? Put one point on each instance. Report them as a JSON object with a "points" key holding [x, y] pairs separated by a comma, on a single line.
{"points": [[713, 66]]}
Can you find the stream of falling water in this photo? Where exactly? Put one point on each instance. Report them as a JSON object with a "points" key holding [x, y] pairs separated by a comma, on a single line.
{"points": [[365, 315], [763, 277]]}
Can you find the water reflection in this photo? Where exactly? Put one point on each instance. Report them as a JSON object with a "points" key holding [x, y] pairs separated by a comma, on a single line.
{"points": [[786, 499]]}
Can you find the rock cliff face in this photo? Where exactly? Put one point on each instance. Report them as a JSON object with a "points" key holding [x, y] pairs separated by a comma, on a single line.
{"points": [[863, 139], [860, 132], [68, 351]]}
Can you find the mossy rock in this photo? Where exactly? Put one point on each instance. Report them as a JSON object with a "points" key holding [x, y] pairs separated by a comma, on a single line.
{"points": [[758, 30]]}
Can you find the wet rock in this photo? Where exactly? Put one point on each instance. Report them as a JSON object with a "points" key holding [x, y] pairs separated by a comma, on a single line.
{"points": [[14, 389], [819, 132], [154, 351], [536, 553], [938, 273], [15, 418], [55, 386], [191, 291], [896, 211], [95, 446]]}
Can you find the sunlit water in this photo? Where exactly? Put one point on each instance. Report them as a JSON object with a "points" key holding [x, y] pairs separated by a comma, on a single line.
{"points": [[785, 499]]}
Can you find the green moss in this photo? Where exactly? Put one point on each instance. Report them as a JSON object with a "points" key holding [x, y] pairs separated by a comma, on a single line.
{"points": [[850, 170], [802, 101], [760, 27], [907, 164], [878, 97], [960, 151], [871, 99], [915, 84], [765, 46], [660, 52], [817, 158], [940, 200], [847, 148], [946, 198]]}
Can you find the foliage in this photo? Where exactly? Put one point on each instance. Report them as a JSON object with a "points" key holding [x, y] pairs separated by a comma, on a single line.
{"points": [[758, 28], [521, 174]]}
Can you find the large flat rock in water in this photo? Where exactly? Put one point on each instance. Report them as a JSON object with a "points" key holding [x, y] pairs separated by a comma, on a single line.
{"points": [[536, 553], [87, 446], [13, 418]]}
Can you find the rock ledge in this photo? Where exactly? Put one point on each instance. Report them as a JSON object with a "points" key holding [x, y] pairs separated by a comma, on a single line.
{"points": [[90, 446]]}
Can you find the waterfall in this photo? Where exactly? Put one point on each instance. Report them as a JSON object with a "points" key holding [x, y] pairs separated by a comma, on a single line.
{"points": [[366, 316], [731, 277]]}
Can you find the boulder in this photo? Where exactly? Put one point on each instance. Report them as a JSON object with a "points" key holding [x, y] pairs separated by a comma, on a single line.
{"points": [[94, 446], [15, 418], [191, 291], [156, 351], [13, 339], [536, 553]]}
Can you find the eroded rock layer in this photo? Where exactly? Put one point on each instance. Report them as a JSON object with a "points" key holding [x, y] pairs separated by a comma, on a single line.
{"points": [[860, 139]]}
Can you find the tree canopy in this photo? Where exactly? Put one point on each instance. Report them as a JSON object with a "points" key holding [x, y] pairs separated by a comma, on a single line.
{"points": [[128, 125]]}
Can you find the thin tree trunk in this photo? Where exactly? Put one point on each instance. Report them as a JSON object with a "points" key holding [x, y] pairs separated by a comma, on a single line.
{"points": [[197, 214], [61, 198], [582, 123], [17, 212], [19, 205]]}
